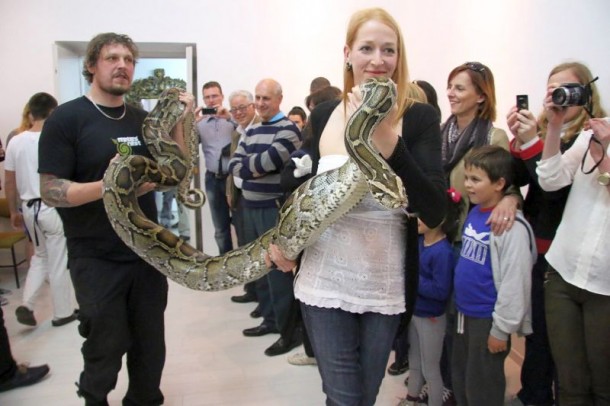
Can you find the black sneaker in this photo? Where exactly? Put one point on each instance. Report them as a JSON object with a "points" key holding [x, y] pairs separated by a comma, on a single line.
{"points": [[65, 320], [398, 368], [245, 298], [25, 376], [25, 316]]}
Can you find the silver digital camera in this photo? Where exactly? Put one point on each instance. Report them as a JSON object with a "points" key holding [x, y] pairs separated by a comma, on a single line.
{"points": [[571, 94]]}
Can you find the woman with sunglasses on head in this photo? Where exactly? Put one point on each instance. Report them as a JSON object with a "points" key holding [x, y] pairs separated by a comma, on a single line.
{"points": [[361, 275], [472, 98], [544, 212]]}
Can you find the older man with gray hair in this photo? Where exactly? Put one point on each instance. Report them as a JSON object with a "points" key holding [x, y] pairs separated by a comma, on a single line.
{"points": [[258, 161], [242, 110]]}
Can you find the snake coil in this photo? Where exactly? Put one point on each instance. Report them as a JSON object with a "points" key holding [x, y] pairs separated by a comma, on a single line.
{"points": [[313, 206]]}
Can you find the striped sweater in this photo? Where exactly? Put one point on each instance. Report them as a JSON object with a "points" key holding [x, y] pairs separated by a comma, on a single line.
{"points": [[260, 157]]}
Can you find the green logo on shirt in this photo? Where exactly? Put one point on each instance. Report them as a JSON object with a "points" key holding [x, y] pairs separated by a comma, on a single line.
{"points": [[122, 148]]}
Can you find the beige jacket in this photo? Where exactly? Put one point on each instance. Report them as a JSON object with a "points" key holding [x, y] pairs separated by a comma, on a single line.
{"points": [[497, 136]]}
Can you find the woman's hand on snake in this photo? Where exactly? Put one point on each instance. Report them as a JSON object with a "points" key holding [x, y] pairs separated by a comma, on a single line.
{"points": [[503, 215], [275, 256], [386, 134]]}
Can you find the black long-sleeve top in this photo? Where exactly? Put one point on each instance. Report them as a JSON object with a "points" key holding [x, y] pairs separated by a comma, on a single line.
{"points": [[416, 160], [542, 209]]}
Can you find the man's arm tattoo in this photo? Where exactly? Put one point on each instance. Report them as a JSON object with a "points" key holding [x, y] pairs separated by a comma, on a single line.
{"points": [[54, 191]]}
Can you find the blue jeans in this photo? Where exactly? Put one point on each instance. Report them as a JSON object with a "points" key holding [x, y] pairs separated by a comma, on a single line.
{"points": [[352, 351], [216, 193], [257, 221], [237, 219]]}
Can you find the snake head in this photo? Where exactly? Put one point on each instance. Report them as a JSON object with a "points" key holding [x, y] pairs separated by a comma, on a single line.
{"points": [[379, 94]]}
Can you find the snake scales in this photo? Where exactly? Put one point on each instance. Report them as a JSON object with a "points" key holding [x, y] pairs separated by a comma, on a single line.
{"points": [[315, 205]]}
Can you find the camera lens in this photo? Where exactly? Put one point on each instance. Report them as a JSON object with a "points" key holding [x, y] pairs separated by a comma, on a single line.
{"points": [[569, 95], [560, 95]]}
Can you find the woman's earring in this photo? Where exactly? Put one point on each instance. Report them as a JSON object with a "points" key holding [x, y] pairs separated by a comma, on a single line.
{"points": [[348, 66]]}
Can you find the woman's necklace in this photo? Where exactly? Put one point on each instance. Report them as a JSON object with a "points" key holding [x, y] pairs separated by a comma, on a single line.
{"points": [[104, 114]]}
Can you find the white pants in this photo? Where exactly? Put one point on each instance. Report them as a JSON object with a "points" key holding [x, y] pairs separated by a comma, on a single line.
{"points": [[50, 260]]}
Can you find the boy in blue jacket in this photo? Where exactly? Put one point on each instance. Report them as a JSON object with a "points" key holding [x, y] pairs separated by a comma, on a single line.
{"points": [[492, 283]]}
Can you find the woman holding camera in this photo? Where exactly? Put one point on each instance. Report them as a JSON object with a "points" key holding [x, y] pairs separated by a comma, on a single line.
{"points": [[544, 210], [577, 288]]}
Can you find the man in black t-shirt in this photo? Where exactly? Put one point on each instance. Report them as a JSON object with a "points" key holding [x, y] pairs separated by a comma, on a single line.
{"points": [[122, 299]]}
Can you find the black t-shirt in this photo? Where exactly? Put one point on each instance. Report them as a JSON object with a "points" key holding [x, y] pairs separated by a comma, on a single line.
{"points": [[77, 143]]}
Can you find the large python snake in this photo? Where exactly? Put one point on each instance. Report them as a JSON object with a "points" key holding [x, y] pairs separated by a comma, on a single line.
{"points": [[314, 206]]}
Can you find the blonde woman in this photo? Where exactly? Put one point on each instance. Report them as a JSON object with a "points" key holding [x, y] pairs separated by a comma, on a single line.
{"points": [[358, 279]]}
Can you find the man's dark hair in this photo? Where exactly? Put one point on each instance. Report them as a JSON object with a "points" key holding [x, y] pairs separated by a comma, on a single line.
{"points": [[494, 160], [327, 93], [430, 94], [318, 83], [41, 105], [95, 48], [211, 84]]}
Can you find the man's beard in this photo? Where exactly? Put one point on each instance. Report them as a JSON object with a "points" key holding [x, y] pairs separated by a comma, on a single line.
{"points": [[116, 90]]}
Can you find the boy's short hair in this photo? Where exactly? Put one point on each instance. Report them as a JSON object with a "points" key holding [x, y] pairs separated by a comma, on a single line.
{"points": [[494, 160], [41, 105]]}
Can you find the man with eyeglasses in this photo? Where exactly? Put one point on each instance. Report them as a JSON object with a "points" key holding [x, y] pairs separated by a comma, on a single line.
{"points": [[215, 134], [243, 112]]}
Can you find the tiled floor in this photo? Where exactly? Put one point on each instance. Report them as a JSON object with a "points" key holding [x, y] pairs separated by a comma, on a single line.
{"points": [[209, 362]]}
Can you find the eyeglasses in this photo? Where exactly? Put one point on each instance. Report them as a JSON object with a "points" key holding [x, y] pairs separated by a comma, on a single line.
{"points": [[240, 109], [475, 66]]}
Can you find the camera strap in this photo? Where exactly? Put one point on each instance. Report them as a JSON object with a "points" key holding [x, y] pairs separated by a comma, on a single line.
{"points": [[584, 157], [589, 104]]}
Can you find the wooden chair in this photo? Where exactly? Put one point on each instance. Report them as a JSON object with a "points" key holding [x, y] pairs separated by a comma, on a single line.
{"points": [[9, 239]]}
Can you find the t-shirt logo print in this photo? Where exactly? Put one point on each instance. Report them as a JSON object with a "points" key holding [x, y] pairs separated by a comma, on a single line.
{"points": [[124, 144], [475, 245]]}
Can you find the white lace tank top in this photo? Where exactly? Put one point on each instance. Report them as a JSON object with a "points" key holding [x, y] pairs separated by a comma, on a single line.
{"points": [[357, 264]]}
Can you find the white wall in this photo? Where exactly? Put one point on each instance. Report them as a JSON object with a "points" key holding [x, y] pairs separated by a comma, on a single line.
{"points": [[240, 42]]}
